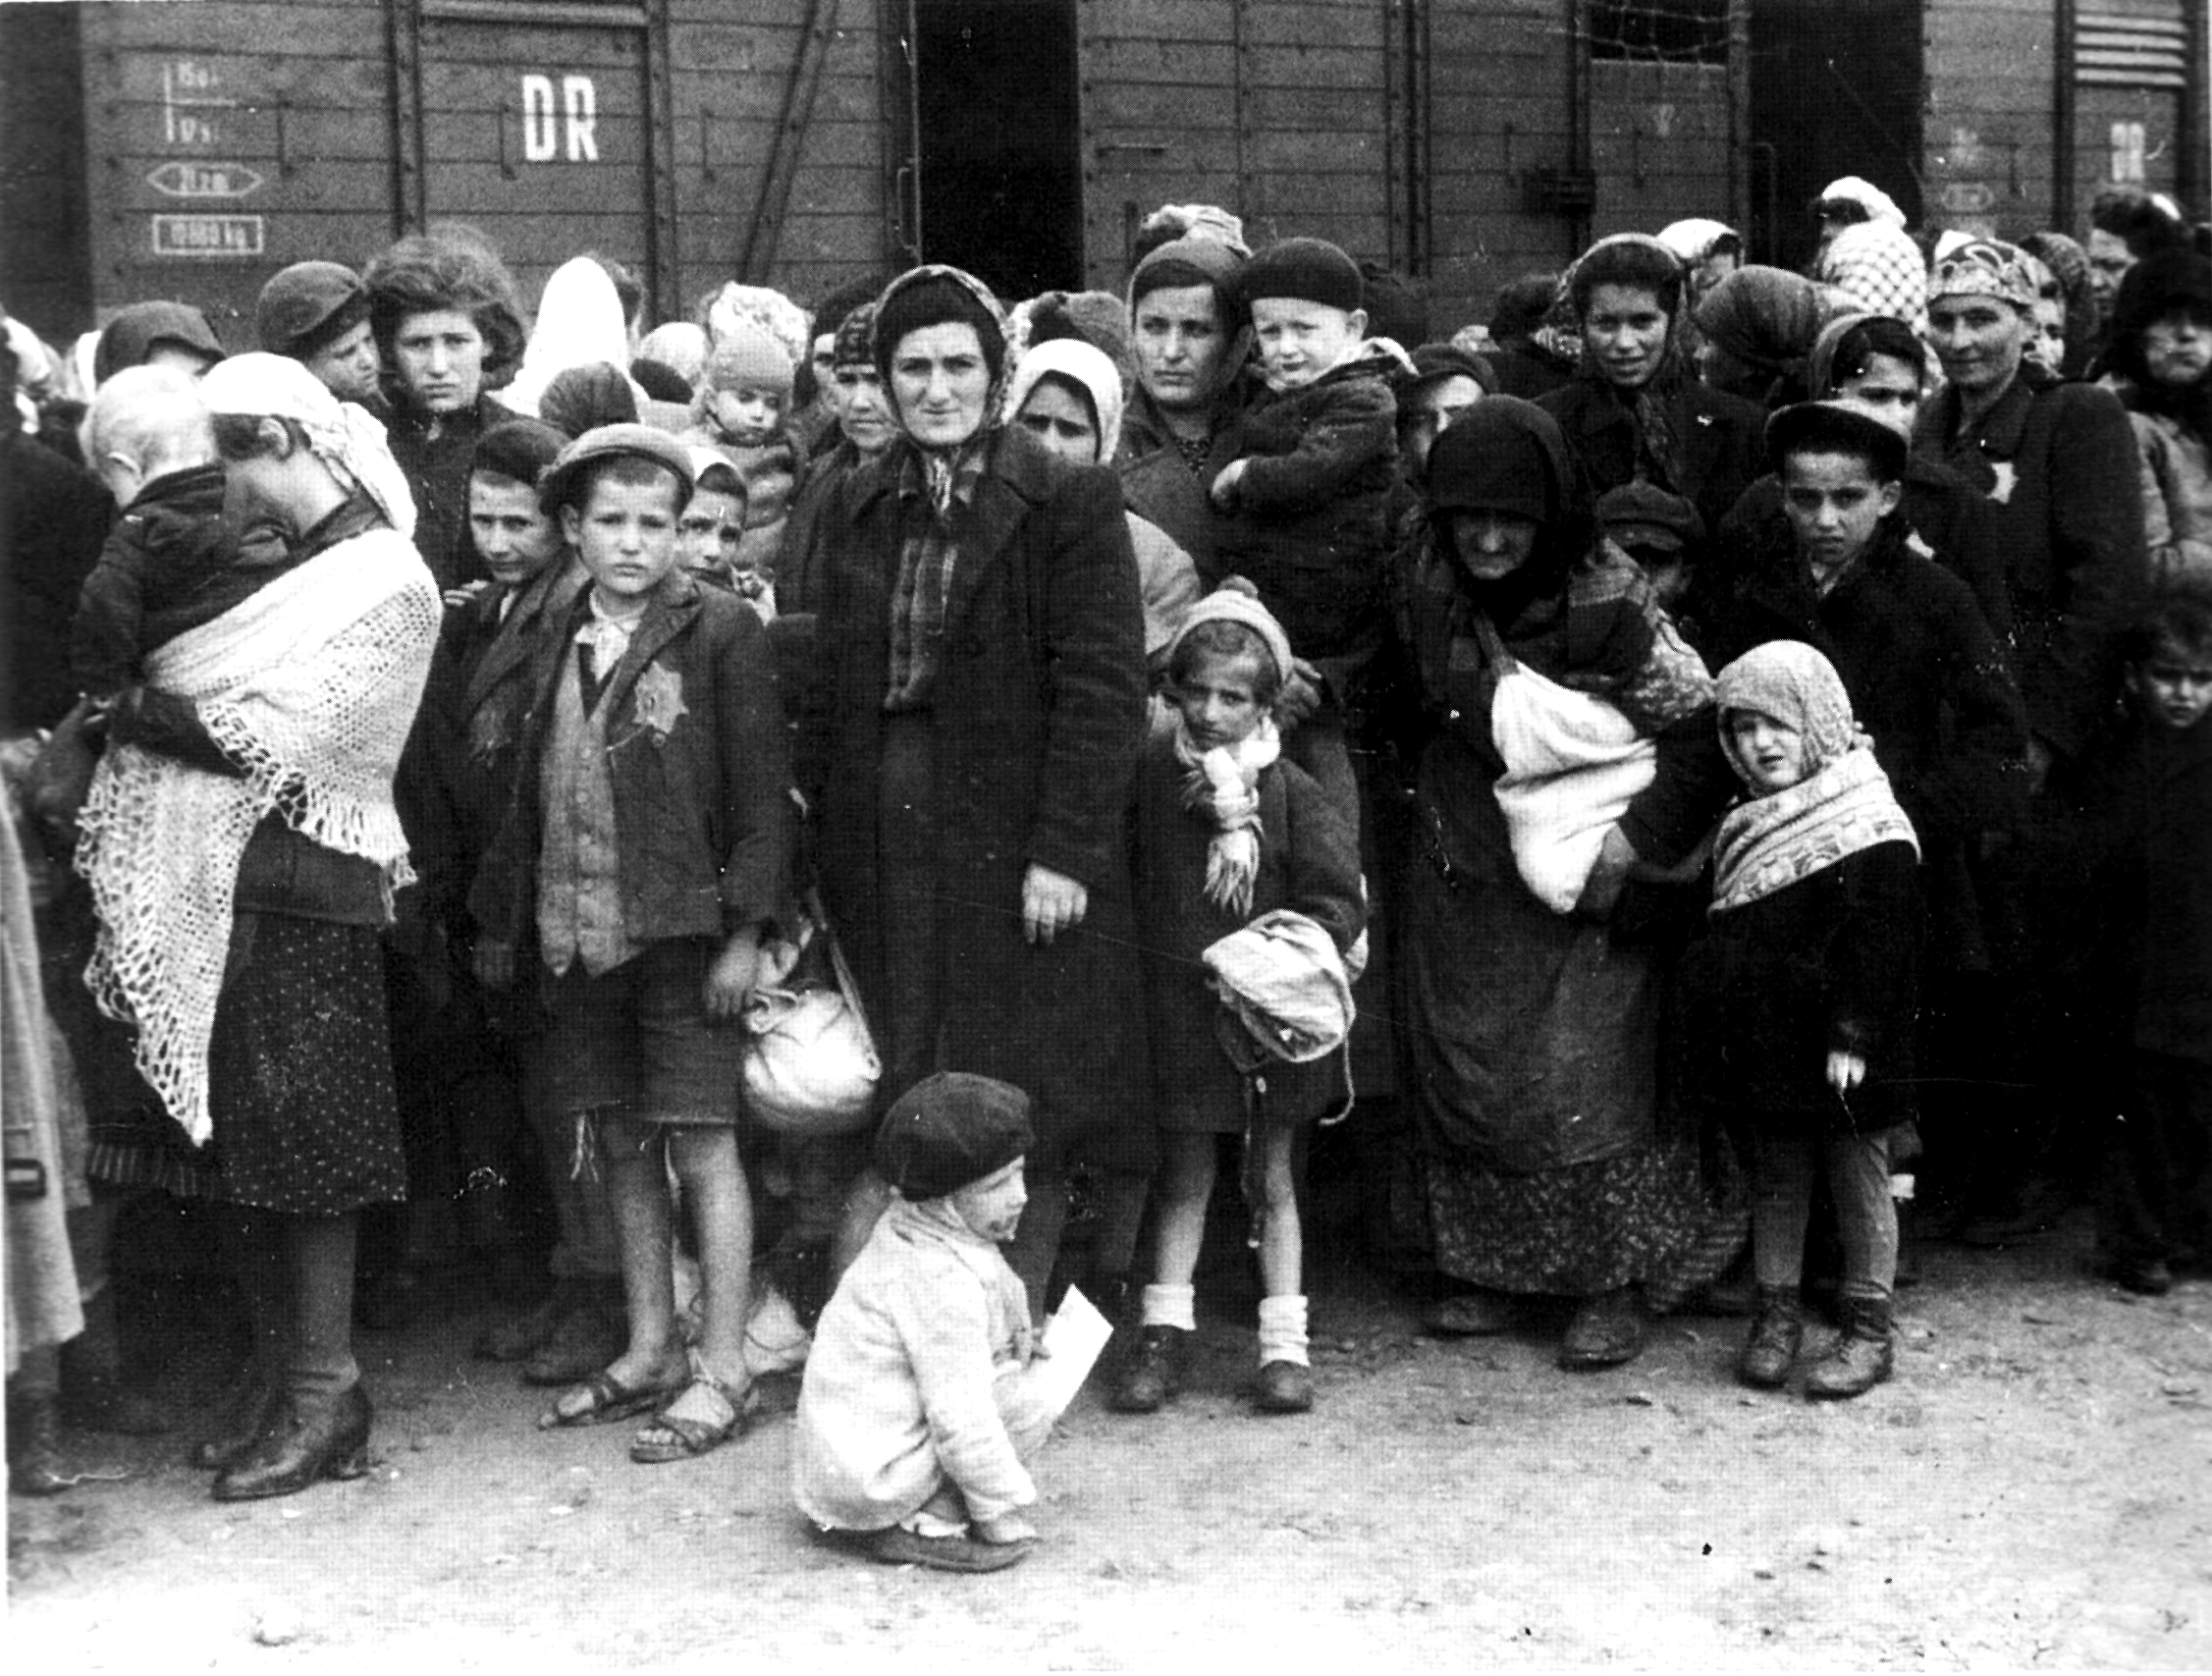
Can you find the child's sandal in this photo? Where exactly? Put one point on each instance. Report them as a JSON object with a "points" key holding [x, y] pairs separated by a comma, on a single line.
{"points": [[668, 1436]]}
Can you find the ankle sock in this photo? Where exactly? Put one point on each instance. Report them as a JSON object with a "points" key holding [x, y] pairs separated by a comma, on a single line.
{"points": [[1173, 1306], [1282, 1328]]}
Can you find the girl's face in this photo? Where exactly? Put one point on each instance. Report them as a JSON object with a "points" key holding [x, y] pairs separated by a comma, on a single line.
{"points": [[1491, 545], [1770, 753], [700, 531], [993, 1207], [1060, 419], [439, 357], [941, 383], [2178, 346], [2174, 687], [1625, 331], [863, 414], [1980, 339], [749, 413], [1888, 388], [1220, 700]]}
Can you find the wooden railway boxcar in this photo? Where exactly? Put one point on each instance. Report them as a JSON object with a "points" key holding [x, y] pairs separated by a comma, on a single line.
{"points": [[190, 147]]}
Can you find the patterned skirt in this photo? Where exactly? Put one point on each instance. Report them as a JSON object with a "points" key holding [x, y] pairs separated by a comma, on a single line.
{"points": [[300, 1082]]}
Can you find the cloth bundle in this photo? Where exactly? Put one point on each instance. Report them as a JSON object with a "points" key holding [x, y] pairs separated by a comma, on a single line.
{"points": [[1573, 765]]}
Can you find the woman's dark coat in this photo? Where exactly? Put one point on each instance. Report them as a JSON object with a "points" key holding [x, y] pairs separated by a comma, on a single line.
{"points": [[1720, 441], [1039, 714]]}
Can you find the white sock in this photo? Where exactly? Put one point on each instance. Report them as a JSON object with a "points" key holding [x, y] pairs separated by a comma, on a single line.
{"points": [[1282, 1328], [1170, 1306]]}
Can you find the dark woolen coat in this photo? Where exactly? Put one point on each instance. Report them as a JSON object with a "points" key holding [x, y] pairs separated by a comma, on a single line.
{"points": [[1308, 862], [1926, 679], [1828, 964], [53, 518], [1720, 439], [437, 469], [1040, 710], [2059, 464], [2166, 851]]}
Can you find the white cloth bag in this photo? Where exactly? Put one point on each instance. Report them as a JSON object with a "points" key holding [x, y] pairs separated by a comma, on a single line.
{"points": [[1573, 764]]}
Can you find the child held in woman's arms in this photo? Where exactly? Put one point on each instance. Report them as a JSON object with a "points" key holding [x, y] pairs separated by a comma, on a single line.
{"points": [[1803, 998], [1227, 830], [917, 1415], [2158, 1168]]}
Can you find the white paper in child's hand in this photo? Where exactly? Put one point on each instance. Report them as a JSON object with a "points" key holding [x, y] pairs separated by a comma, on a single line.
{"points": [[1074, 1338]]}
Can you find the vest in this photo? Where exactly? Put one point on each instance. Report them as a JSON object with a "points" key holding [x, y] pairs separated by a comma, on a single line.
{"points": [[579, 866]]}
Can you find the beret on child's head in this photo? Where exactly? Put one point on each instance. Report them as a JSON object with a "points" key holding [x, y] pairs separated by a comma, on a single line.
{"points": [[949, 1131], [1310, 270], [306, 306], [563, 484], [1645, 516]]}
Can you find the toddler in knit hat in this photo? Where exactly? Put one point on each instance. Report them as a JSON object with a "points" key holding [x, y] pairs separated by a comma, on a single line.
{"points": [[1228, 830], [742, 410], [917, 1414]]}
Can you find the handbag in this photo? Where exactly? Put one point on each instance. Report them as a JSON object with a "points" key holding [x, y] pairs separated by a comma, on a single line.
{"points": [[811, 1068]]}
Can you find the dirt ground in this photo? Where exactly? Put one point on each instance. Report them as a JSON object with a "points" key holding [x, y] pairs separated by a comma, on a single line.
{"points": [[2034, 1489]]}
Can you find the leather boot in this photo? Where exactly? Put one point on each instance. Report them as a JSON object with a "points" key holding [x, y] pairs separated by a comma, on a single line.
{"points": [[1777, 1334], [35, 1447], [1154, 1372], [1604, 1331], [257, 1412], [1862, 1359], [316, 1437]]}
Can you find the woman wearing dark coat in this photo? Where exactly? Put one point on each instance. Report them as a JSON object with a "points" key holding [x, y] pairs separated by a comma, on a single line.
{"points": [[971, 750], [1635, 410]]}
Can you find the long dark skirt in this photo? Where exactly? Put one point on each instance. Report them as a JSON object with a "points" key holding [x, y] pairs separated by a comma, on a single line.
{"points": [[300, 1089], [1534, 1046]]}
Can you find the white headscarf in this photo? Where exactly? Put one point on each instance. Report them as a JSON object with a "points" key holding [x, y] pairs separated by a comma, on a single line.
{"points": [[262, 386], [579, 323], [1091, 371]]}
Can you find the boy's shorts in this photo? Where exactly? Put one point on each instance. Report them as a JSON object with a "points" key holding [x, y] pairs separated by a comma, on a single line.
{"points": [[638, 1039]]}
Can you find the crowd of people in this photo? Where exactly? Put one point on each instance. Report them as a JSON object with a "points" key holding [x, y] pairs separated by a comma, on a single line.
{"points": [[1708, 770]]}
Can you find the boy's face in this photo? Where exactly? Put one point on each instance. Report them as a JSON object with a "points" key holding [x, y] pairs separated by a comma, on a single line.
{"points": [[701, 529], [626, 536], [1180, 345], [1220, 700], [1770, 753], [993, 1207], [1835, 504], [347, 365], [2175, 686], [440, 360], [1299, 341], [748, 412], [514, 536]]}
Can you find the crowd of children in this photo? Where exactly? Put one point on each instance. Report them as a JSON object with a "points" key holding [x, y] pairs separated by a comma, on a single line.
{"points": [[1143, 688]]}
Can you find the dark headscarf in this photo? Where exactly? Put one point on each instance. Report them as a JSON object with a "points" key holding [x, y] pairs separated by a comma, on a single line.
{"points": [[2070, 267], [938, 295], [580, 398], [1765, 317], [1509, 455]]}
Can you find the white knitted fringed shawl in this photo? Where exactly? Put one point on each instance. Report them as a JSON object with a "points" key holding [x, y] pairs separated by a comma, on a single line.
{"points": [[313, 684]]}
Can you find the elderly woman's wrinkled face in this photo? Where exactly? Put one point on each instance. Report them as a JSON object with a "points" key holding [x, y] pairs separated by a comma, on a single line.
{"points": [[940, 382], [1625, 331], [1491, 545], [2178, 346], [439, 358], [1980, 339]]}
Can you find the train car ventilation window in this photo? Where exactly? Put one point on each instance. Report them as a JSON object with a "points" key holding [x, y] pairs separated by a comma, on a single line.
{"points": [[1673, 31]]}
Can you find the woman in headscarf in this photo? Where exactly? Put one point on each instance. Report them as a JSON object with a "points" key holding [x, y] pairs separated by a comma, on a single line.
{"points": [[1635, 412], [1758, 325], [971, 749], [1710, 250], [866, 428], [242, 847], [2160, 364], [1531, 1032], [2072, 282], [1880, 270]]}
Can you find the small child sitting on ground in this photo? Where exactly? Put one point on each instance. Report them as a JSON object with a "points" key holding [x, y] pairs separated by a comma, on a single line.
{"points": [[1228, 831], [149, 438], [1804, 1000], [917, 1420], [2158, 1166]]}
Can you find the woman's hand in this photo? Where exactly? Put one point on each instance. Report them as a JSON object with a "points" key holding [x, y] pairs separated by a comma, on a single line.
{"points": [[1006, 1528], [494, 963], [1050, 903], [1616, 858], [466, 593], [730, 979], [1846, 1072], [1223, 492]]}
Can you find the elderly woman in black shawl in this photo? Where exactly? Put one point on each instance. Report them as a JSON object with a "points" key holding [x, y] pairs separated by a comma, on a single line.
{"points": [[1533, 1030]]}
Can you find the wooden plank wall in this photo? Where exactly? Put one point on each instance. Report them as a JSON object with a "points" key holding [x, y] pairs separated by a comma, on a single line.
{"points": [[284, 108], [1990, 100]]}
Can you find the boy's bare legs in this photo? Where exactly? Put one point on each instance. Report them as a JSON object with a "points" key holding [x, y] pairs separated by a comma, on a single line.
{"points": [[638, 1193], [707, 1163], [1282, 1256]]}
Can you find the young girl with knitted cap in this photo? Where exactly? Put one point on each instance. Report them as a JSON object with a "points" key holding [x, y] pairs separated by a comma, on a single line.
{"points": [[1228, 829], [1804, 1000]]}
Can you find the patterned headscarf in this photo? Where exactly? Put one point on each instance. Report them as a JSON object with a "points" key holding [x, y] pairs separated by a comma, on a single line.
{"points": [[263, 386], [1984, 267], [1880, 270]]}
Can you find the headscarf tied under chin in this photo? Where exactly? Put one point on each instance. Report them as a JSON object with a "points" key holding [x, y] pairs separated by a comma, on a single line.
{"points": [[340, 434], [1844, 804], [1656, 456], [938, 294]]}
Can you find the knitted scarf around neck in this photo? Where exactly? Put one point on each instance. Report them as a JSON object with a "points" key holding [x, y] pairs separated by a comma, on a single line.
{"points": [[1221, 786]]}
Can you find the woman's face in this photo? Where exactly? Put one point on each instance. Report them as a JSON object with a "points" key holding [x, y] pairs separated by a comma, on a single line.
{"points": [[439, 358], [2178, 346], [863, 414], [1625, 331], [1887, 388], [1980, 339], [1060, 419], [1180, 344], [1491, 545], [940, 382], [2046, 343]]}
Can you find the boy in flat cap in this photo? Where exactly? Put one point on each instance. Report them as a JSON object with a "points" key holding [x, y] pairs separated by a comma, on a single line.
{"points": [[916, 1418], [318, 314]]}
